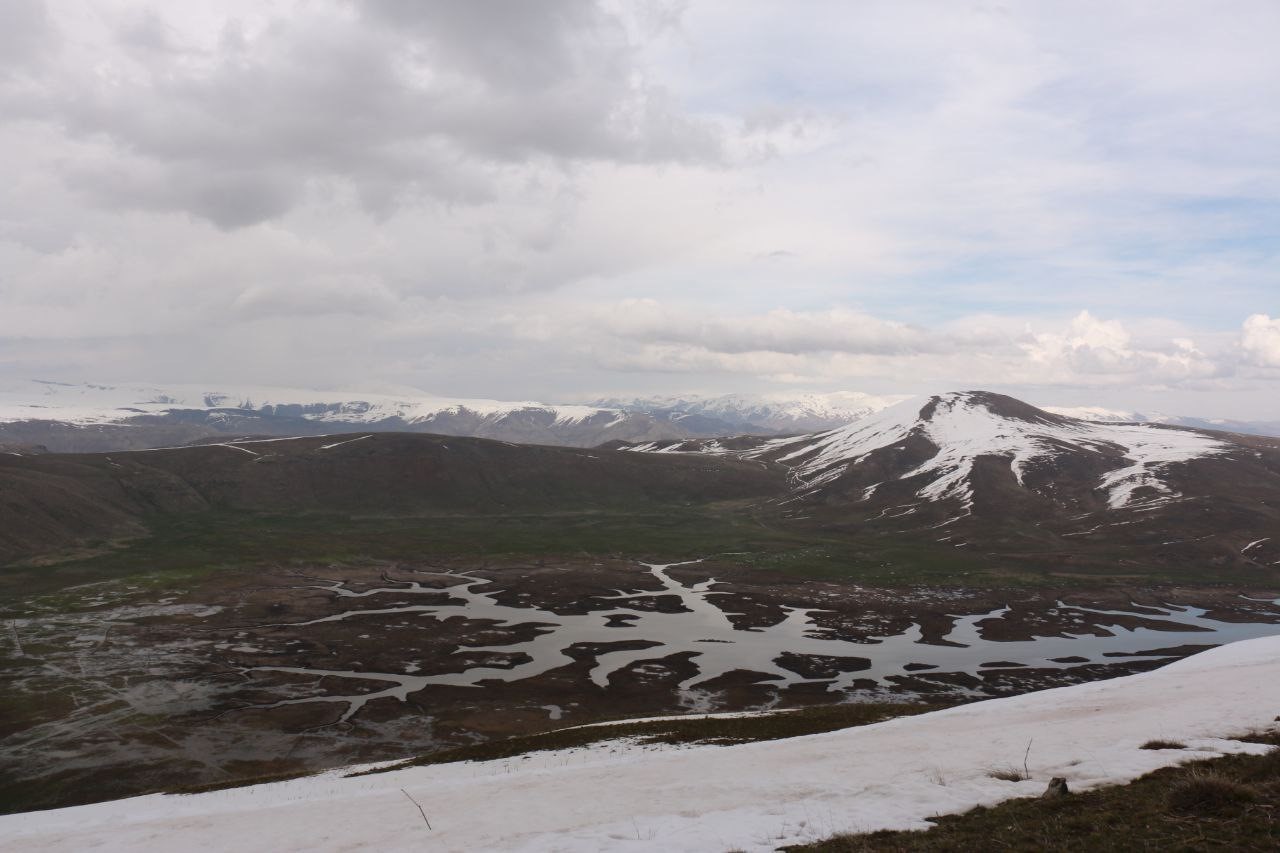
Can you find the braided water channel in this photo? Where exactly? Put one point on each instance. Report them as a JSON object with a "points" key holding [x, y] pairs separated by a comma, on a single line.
{"points": [[716, 646]]}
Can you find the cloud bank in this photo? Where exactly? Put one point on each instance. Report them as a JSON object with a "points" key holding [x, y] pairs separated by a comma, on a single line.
{"points": [[575, 197]]}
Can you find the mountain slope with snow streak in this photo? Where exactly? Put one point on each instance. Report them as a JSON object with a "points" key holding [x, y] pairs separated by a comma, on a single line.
{"points": [[754, 797]]}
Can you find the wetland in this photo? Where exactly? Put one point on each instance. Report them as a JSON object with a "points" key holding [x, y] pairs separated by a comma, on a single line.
{"points": [[114, 687]]}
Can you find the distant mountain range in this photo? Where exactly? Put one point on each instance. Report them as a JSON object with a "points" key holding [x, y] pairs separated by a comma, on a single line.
{"points": [[64, 417], [1101, 415], [93, 418]]}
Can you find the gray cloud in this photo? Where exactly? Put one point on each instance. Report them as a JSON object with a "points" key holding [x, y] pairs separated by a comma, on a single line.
{"points": [[510, 44], [229, 197], [147, 33], [25, 34]]}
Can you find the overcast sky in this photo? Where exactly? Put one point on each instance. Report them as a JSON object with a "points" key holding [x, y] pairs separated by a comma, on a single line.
{"points": [[1072, 202]]}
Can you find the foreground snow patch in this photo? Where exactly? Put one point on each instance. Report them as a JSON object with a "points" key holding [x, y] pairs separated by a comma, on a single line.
{"points": [[756, 797]]}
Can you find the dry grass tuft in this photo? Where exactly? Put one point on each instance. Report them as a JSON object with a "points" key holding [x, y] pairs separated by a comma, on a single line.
{"points": [[1163, 744], [1008, 774], [1207, 793]]}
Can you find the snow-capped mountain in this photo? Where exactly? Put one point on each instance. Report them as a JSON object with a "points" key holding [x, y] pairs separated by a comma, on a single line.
{"points": [[784, 414], [983, 465], [966, 427], [763, 413]]}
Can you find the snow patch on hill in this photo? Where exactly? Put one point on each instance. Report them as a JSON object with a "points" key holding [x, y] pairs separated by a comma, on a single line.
{"points": [[755, 797]]}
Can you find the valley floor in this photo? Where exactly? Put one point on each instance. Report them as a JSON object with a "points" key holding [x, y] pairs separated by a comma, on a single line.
{"points": [[759, 796]]}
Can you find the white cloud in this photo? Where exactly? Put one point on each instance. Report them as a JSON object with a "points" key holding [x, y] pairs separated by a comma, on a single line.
{"points": [[1090, 347], [1261, 340], [839, 346]]}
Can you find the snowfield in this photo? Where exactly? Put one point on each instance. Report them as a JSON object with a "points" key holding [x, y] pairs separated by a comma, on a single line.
{"points": [[755, 797]]}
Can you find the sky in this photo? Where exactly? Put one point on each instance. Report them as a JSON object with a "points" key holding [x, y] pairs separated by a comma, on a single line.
{"points": [[1075, 203]]}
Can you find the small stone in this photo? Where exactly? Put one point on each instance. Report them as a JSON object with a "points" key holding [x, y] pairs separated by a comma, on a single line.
{"points": [[1057, 788]]}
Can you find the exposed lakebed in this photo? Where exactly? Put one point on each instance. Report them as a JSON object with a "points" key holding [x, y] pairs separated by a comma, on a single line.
{"points": [[279, 670]]}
